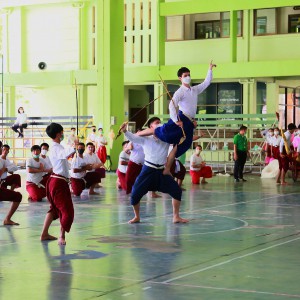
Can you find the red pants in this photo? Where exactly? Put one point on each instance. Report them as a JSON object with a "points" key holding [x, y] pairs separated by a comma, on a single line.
{"points": [[92, 178], [9, 195], [181, 174], [61, 205], [133, 171], [101, 171], [122, 179], [14, 179], [102, 154], [35, 193], [275, 152], [78, 185], [204, 172]]}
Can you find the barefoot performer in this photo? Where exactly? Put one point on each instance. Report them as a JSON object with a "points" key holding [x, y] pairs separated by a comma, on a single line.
{"points": [[57, 188], [183, 108], [151, 178]]}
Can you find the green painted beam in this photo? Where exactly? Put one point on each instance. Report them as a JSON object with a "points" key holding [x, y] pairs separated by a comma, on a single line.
{"points": [[233, 35], [200, 6], [17, 3], [238, 70]]}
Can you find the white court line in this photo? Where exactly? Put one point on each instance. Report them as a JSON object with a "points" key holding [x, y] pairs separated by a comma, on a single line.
{"points": [[230, 260], [167, 215], [229, 289]]}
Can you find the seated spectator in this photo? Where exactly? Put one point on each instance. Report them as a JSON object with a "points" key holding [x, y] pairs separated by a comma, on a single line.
{"points": [[122, 166], [13, 180], [20, 123], [46, 161], [198, 167], [35, 169], [78, 171], [9, 195], [93, 176]]}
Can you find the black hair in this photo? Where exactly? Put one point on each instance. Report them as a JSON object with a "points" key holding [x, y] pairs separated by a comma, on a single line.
{"points": [[53, 129], [5, 146], [90, 144], [35, 147], [44, 145], [271, 129], [151, 120], [73, 128], [182, 70], [299, 126], [1, 144], [81, 144], [199, 146], [243, 127], [124, 143], [100, 128], [20, 108], [291, 126]]}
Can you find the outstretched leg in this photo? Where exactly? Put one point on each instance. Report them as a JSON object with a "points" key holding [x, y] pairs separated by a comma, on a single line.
{"points": [[170, 161], [62, 238], [13, 208], [176, 216], [136, 210]]}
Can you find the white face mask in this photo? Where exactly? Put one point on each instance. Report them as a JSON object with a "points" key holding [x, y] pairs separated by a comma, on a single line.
{"points": [[198, 151], [186, 80], [276, 132], [44, 151]]}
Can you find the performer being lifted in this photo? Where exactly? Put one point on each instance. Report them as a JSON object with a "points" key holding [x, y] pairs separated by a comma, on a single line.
{"points": [[183, 108]]}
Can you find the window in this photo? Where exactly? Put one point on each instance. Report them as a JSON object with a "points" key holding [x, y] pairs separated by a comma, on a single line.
{"points": [[294, 23], [221, 98], [265, 21], [261, 91], [220, 27]]}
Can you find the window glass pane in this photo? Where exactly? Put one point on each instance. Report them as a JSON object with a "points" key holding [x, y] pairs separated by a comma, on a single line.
{"points": [[229, 98], [261, 91], [265, 21]]}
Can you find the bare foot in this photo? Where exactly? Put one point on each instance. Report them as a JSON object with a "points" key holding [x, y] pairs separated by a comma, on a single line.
{"points": [[94, 193], [179, 220], [61, 241], [203, 182], [284, 183], [10, 222], [98, 186], [134, 220], [48, 237]]}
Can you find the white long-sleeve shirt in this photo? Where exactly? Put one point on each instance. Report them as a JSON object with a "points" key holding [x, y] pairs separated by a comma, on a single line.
{"points": [[156, 151], [187, 98], [288, 136], [137, 154], [21, 119], [59, 159], [11, 167], [34, 177], [78, 163], [91, 159]]}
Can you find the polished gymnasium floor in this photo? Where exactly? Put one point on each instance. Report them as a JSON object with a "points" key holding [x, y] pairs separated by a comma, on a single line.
{"points": [[242, 242]]}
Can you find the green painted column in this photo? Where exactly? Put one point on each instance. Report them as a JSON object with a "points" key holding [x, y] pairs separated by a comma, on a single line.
{"points": [[161, 34], [233, 35], [110, 65]]}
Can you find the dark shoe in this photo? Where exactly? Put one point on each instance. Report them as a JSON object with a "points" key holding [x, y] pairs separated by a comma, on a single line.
{"points": [[244, 180], [236, 180]]}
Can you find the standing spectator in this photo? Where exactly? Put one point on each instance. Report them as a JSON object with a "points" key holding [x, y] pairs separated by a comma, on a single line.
{"points": [[20, 123], [240, 153], [101, 146]]}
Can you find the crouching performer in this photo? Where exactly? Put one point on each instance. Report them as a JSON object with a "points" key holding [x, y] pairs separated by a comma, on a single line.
{"points": [[151, 177]]}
